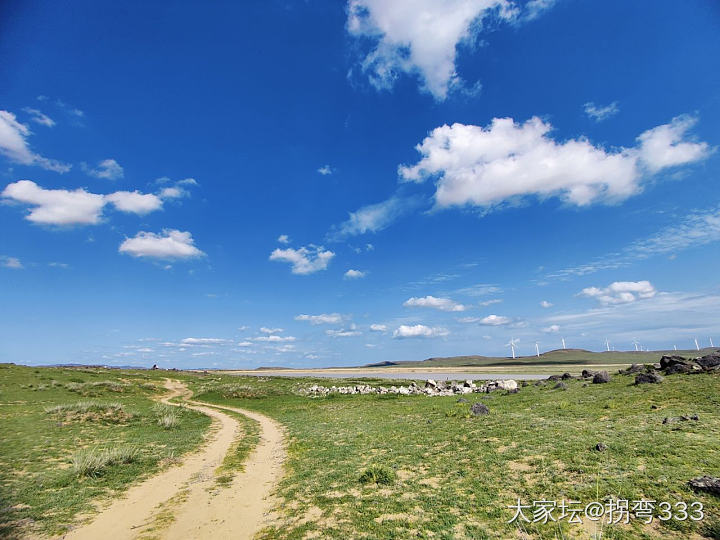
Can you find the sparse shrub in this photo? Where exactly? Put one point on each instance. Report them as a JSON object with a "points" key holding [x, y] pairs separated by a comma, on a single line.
{"points": [[377, 474], [92, 463], [167, 415], [91, 411]]}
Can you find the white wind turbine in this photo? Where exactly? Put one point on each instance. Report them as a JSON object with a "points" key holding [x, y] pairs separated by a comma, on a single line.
{"points": [[711, 343], [563, 342], [512, 344], [607, 345], [537, 349], [636, 343], [697, 346]]}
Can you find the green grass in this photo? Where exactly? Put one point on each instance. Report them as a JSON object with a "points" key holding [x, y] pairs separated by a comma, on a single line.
{"points": [[455, 475], [59, 454]]}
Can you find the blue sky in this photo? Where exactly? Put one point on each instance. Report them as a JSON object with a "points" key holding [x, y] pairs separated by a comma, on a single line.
{"points": [[325, 183]]}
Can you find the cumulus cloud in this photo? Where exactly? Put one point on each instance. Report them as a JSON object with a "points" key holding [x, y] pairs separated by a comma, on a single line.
{"points": [[170, 244], [354, 274], [305, 260], [343, 333], [107, 169], [552, 329], [274, 338], [325, 170], [56, 206], [10, 262], [374, 217], [417, 331], [323, 318], [443, 304], [600, 113], [490, 302], [39, 117], [77, 207], [495, 320], [545, 304], [505, 161], [621, 292], [283, 239], [203, 341], [135, 202], [420, 37], [378, 327], [266, 330], [14, 145]]}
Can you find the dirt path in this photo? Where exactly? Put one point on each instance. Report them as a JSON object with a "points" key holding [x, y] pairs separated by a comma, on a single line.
{"points": [[185, 502]]}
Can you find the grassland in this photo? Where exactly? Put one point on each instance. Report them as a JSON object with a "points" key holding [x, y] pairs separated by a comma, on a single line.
{"points": [[72, 437], [449, 475]]}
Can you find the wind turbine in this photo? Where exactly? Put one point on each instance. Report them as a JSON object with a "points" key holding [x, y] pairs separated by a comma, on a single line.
{"points": [[511, 344], [563, 342], [675, 347], [607, 345], [711, 343], [636, 343], [697, 346], [537, 350]]}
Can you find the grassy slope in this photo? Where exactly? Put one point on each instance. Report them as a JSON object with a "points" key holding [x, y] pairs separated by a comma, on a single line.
{"points": [[456, 475], [558, 357], [38, 488]]}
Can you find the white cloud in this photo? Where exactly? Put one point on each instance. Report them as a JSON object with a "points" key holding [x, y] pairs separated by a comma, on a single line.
{"points": [[14, 145], [204, 341], [418, 330], [56, 206], [39, 117], [107, 169], [305, 260], [10, 262], [135, 202], [507, 161], [495, 320], [173, 192], [545, 304], [283, 239], [323, 318], [552, 329], [621, 292], [443, 304], [343, 333], [355, 274], [245, 344], [419, 37], [374, 217], [481, 289], [170, 244], [600, 113], [274, 338], [325, 170], [266, 330], [378, 327], [490, 302]]}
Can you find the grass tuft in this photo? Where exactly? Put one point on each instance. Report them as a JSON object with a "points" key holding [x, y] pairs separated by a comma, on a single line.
{"points": [[167, 416], [92, 463], [377, 474]]}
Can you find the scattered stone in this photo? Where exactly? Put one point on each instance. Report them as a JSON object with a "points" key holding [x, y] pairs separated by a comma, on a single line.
{"points": [[523, 383], [682, 418], [540, 383], [710, 484], [565, 376], [554, 377], [601, 377], [635, 368], [462, 400], [431, 388], [513, 391], [585, 385], [479, 409], [587, 374], [560, 386], [648, 378], [654, 407], [601, 447], [709, 362]]}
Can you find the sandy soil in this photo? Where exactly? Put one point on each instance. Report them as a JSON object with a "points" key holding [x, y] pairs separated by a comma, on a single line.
{"points": [[184, 501]]}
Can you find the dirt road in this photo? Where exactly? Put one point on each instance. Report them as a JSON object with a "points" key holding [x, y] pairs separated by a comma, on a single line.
{"points": [[184, 502]]}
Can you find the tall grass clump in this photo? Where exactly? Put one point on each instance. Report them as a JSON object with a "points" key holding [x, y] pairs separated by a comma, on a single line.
{"points": [[167, 416], [85, 407], [93, 462], [377, 474]]}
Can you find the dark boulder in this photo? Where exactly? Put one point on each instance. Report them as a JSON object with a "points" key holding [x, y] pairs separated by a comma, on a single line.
{"points": [[648, 378], [462, 400], [554, 377], [601, 377], [566, 376], [587, 374], [479, 409], [635, 368], [600, 447], [709, 362], [560, 386], [706, 483]]}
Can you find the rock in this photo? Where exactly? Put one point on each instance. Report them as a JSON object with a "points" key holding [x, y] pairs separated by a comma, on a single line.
{"points": [[682, 418], [479, 409], [508, 384], [601, 377], [513, 391], [653, 407], [710, 484], [709, 362], [560, 386], [462, 400], [565, 376], [635, 368], [554, 377], [677, 364], [600, 447], [540, 383], [430, 383], [587, 374], [523, 384], [648, 378]]}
